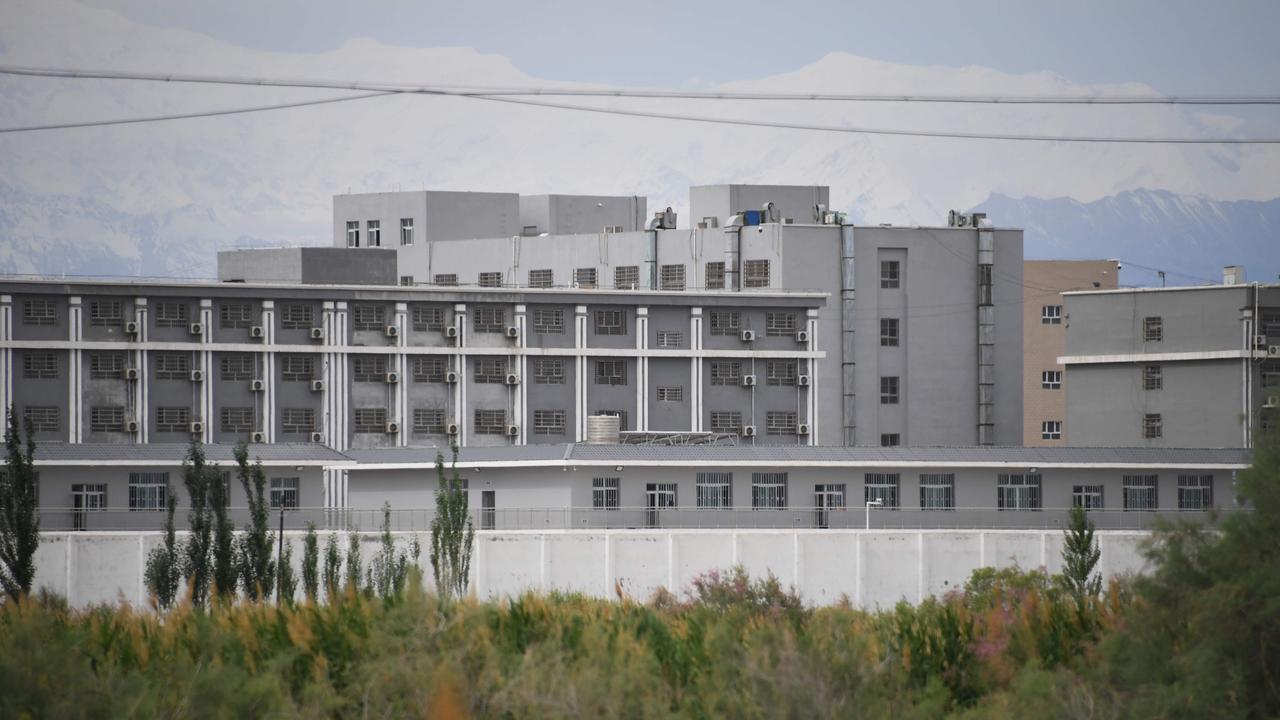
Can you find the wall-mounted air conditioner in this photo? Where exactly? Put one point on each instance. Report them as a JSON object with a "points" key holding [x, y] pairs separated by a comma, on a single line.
{"points": [[393, 378], [1260, 341], [1273, 351], [748, 431], [317, 437], [391, 331], [131, 327], [451, 429], [451, 377], [317, 333], [317, 386], [257, 331], [392, 427], [131, 425], [748, 381], [513, 379], [257, 385], [513, 332], [802, 380], [513, 430], [197, 376], [196, 328], [802, 336], [802, 429], [451, 331], [258, 437], [131, 373], [197, 427], [748, 335]]}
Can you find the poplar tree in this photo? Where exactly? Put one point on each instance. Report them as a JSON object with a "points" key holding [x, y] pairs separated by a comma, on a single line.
{"points": [[19, 510], [164, 563], [452, 533], [257, 564], [311, 563], [197, 476]]}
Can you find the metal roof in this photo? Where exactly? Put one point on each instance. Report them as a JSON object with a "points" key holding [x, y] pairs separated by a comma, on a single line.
{"points": [[174, 453], [427, 455]]}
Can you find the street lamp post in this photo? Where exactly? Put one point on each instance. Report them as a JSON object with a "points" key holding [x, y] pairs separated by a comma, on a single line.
{"points": [[877, 503]]}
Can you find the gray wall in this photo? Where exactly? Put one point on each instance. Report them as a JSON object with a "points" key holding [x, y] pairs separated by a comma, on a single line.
{"points": [[569, 214], [315, 266], [722, 201]]}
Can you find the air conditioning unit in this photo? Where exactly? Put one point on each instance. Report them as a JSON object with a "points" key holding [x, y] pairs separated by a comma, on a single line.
{"points": [[513, 379], [197, 427], [392, 331], [317, 437], [451, 331], [196, 328], [392, 427], [451, 429], [317, 333], [1259, 341], [393, 378], [257, 331], [748, 335], [802, 336], [257, 385], [748, 431], [197, 376], [131, 327], [748, 381], [451, 377], [131, 425], [1273, 351], [317, 386], [802, 380], [513, 332], [131, 373], [258, 437], [513, 430], [802, 429], [1272, 401]]}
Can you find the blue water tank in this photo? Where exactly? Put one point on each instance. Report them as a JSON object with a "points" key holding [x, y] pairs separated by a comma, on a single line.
{"points": [[751, 217]]}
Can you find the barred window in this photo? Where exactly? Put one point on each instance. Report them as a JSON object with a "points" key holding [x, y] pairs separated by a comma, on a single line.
{"points": [[612, 371], [39, 312], [284, 493], [890, 439], [541, 278], [671, 277], [39, 365], [715, 490], [548, 371], [755, 274], [726, 372], [1088, 497], [370, 420], [235, 419], [1051, 380], [428, 421], [490, 279], [611, 322], [173, 419], [768, 491], [297, 316], [1152, 426], [890, 274], [585, 277], [670, 338], [626, 277], [882, 487], [714, 276], [369, 317], [780, 423], [489, 319], [490, 422], [172, 366], [373, 230], [674, 393], [1195, 492], [548, 422], [43, 418], [298, 420], [781, 372], [106, 313], [1051, 430], [1018, 491], [296, 368], [447, 279], [106, 365], [604, 493], [235, 315], [430, 368], [428, 318], [725, 421], [369, 368], [236, 367], [725, 322], [889, 390], [489, 370], [548, 321], [1152, 329], [888, 332], [1270, 323], [106, 419], [171, 314], [1152, 377], [780, 324], [147, 490], [937, 491], [1141, 492]]}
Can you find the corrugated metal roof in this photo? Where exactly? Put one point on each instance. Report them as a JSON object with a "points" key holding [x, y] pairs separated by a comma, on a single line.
{"points": [[175, 452], [508, 453]]}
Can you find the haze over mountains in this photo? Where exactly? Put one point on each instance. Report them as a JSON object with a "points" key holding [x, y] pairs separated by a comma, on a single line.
{"points": [[160, 198]]}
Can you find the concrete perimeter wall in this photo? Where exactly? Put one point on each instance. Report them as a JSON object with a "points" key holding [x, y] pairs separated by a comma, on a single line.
{"points": [[872, 568]]}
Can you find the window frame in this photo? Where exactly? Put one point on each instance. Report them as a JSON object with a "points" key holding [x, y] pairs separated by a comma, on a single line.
{"points": [[890, 274], [610, 321]]}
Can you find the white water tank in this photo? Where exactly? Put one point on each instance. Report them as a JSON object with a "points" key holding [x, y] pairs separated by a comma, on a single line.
{"points": [[603, 429]]}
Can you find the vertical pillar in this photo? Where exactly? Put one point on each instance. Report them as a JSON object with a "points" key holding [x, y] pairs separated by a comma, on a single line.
{"points": [[400, 363], [6, 353], [986, 338], [269, 370], [811, 368], [460, 367], [580, 372], [75, 382], [642, 369], [695, 370], [517, 363], [848, 316], [205, 364], [141, 399]]}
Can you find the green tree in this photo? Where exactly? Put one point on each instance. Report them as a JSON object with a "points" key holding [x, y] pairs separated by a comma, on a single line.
{"points": [[19, 510], [197, 476], [225, 573], [389, 570], [355, 566], [257, 563], [288, 580], [452, 533], [332, 567], [311, 563], [1080, 554], [164, 563]]}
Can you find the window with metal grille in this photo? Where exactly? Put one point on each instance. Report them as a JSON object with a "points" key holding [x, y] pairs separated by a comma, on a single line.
{"points": [[890, 274], [882, 487], [1152, 329], [88, 497], [604, 493], [284, 493], [671, 277], [106, 313], [298, 420], [297, 316], [726, 372], [670, 338], [673, 393], [235, 419], [755, 274], [658, 496], [1195, 492], [235, 315], [1152, 377], [147, 490], [888, 332], [43, 418], [1018, 491], [585, 277], [723, 421], [489, 370], [714, 276], [1152, 426], [353, 233], [172, 366], [1051, 379], [889, 390], [373, 228], [106, 419], [370, 420], [548, 321], [620, 414], [369, 368], [780, 324], [429, 368], [548, 422], [1270, 324], [171, 314], [937, 491], [490, 279], [1088, 497], [39, 312], [715, 489], [626, 277], [724, 322], [446, 279], [541, 278], [1051, 315], [39, 365], [779, 422], [428, 318], [548, 371], [611, 371], [489, 319], [491, 422], [236, 367], [406, 231], [428, 421], [890, 439], [106, 365], [768, 491], [1141, 492], [296, 368], [369, 317], [1051, 430], [406, 280], [611, 322], [781, 372], [173, 419]]}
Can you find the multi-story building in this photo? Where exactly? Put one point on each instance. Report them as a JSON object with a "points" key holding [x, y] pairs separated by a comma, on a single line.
{"points": [[1194, 366], [1044, 340]]}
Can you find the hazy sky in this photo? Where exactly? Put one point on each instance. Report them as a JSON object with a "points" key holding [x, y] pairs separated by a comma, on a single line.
{"points": [[1177, 46]]}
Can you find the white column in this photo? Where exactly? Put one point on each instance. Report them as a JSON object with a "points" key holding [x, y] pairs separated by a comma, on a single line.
{"points": [[75, 383], [206, 365], [519, 403], [460, 367], [401, 412], [141, 399], [642, 369], [6, 354], [695, 370], [269, 370], [811, 365], [580, 371]]}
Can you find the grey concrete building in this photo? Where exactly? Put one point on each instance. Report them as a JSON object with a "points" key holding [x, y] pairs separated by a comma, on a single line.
{"points": [[1172, 367], [571, 214]]}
